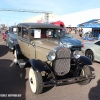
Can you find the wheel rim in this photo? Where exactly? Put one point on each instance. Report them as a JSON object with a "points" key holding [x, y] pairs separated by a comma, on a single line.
{"points": [[82, 73], [89, 55], [32, 80], [15, 57]]}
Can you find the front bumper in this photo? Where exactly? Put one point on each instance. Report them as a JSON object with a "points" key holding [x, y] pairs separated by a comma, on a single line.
{"points": [[67, 81]]}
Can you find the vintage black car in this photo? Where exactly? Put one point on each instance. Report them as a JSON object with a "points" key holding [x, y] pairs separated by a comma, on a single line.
{"points": [[11, 37], [50, 61]]}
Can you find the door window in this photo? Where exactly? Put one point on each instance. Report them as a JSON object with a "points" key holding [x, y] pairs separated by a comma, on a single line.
{"points": [[25, 34], [98, 43]]}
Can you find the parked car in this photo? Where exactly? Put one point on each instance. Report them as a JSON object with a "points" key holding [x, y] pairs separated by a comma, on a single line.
{"points": [[12, 36], [92, 50], [4, 34], [68, 39], [71, 42], [50, 62]]}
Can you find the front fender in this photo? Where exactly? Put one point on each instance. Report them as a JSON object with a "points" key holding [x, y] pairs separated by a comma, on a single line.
{"points": [[37, 65], [85, 60]]}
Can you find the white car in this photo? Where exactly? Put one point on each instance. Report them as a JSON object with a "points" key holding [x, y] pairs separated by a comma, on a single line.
{"points": [[92, 50]]}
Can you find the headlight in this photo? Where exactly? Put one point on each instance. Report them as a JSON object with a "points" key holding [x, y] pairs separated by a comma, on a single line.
{"points": [[51, 55], [76, 54]]}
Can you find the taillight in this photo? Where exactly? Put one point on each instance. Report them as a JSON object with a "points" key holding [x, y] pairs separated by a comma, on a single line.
{"points": [[82, 45]]}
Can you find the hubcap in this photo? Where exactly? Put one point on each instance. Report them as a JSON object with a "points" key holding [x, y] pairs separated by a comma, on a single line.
{"points": [[82, 72], [89, 55], [31, 80]]}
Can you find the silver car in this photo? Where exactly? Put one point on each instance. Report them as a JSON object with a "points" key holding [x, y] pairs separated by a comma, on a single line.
{"points": [[92, 50]]}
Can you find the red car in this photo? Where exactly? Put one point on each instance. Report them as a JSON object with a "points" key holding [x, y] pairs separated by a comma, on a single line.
{"points": [[5, 34]]}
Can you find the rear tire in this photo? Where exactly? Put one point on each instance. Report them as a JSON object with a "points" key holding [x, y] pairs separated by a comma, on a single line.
{"points": [[36, 81], [15, 57], [85, 71]]}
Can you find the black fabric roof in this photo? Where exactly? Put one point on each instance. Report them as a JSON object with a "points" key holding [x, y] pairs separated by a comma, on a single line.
{"points": [[38, 25]]}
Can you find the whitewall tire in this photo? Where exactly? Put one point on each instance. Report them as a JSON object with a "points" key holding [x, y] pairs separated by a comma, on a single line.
{"points": [[35, 80], [15, 57]]}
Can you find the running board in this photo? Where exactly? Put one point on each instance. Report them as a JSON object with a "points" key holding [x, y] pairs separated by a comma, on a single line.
{"points": [[21, 63], [67, 81]]}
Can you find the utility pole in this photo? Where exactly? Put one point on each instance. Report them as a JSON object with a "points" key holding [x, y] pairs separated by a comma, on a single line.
{"points": [[46, 17]]}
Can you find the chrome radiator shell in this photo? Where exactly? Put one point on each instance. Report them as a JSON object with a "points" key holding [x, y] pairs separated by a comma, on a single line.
{"points": [[61, 64]]}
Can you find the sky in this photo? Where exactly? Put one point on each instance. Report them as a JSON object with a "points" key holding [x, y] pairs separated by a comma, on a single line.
{"points": [[59, 7]]}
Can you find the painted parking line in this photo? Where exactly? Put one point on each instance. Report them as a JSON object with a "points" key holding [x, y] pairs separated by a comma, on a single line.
{"points": [[11, 64], [1, 42]]}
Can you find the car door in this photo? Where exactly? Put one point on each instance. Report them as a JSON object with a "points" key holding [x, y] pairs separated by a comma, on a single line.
{"points": [[31, 50], [23, 41], [97, 53], [27, 47]]}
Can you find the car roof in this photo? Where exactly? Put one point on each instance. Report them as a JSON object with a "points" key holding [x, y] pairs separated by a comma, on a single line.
{"points": [[39, 25], [13, 26]]}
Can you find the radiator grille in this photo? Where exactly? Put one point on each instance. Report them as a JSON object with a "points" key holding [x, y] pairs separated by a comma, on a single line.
{"points": [[62, 61]]}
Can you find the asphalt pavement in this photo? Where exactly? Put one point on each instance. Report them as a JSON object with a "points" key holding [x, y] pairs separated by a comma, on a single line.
{"points": [[14, 83]]}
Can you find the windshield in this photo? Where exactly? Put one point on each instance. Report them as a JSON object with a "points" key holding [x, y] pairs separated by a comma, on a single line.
{"points": [[44, 33], [64, 35], [49, 33]]}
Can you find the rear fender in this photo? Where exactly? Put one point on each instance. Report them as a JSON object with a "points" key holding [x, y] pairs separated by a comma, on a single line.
{"points": [[18, 51], [84, 60], [37, 65]]}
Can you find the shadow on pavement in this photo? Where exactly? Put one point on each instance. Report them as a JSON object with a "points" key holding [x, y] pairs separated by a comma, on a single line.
{"points": [[46, 89], [94, 93], [12, 80], [3, 50]]}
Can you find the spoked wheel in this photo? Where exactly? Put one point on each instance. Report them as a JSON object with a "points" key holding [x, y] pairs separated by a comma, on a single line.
{"points": [[35, 80], [15, 57], [85, 71], [90, 55]]}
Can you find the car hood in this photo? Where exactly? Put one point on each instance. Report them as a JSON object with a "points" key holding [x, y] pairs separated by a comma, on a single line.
{"points": [[87, 44], [48, 44], [73, 41], [14, 36]]}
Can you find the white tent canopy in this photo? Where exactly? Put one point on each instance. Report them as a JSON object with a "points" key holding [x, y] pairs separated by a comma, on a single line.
{"points": [[76, 18]]}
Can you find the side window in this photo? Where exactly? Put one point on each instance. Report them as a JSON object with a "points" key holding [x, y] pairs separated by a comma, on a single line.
{"points": [[31, 34], [98, 43], [25, 33], [14, 29], [19, 31], [43, 33]]}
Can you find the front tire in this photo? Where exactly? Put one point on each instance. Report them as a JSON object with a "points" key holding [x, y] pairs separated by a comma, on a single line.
{"points": [[85, 71], [90, 55], [35, 80]]}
